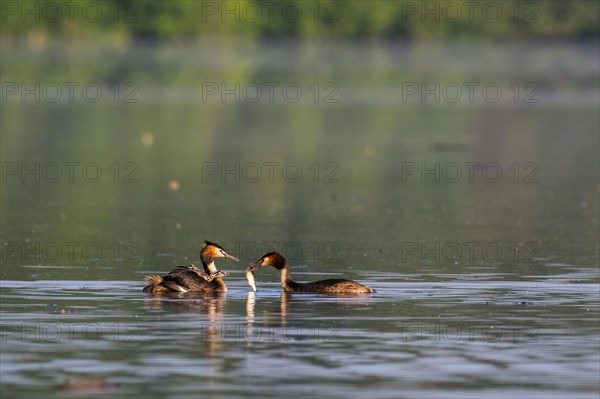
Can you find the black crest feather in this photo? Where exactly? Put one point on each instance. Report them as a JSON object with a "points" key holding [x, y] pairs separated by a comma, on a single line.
{"points": [[214, 244]]}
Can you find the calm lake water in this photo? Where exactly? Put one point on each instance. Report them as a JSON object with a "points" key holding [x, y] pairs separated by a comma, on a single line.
{"points": [[458, 180]]}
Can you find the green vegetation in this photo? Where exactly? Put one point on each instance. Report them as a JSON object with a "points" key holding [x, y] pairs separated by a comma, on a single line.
{"points": [[264, 19]]}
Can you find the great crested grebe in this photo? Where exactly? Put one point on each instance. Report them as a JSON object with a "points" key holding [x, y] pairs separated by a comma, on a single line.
{"points": [[191, 278], [329, 286]]}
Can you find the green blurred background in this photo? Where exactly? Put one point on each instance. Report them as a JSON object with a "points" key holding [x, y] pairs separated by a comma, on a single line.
{"points": [[353, 59], [264, 19]]}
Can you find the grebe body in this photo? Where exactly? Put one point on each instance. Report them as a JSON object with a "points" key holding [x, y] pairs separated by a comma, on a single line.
{"points": [[329, 286], [191, 278]]}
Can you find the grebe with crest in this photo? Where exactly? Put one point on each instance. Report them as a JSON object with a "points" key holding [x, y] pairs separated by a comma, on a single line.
{"points": [[329, 286], [191, 278]]}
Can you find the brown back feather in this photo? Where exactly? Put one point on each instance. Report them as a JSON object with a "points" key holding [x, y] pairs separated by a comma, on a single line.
{"points": [[334, 285]]}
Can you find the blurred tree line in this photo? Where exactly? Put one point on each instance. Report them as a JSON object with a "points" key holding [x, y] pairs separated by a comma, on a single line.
{"points": [[264, 19]]}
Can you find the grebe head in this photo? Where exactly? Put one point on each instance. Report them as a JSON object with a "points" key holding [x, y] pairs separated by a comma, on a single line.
{"points": [[274, 259], [212, 250]]}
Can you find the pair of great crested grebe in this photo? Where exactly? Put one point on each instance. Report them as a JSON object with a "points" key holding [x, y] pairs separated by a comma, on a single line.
{"points": [[192, 279]]}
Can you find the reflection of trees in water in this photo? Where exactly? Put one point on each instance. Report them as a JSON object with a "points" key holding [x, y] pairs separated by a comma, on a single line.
{"points": [[148, 22]]}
